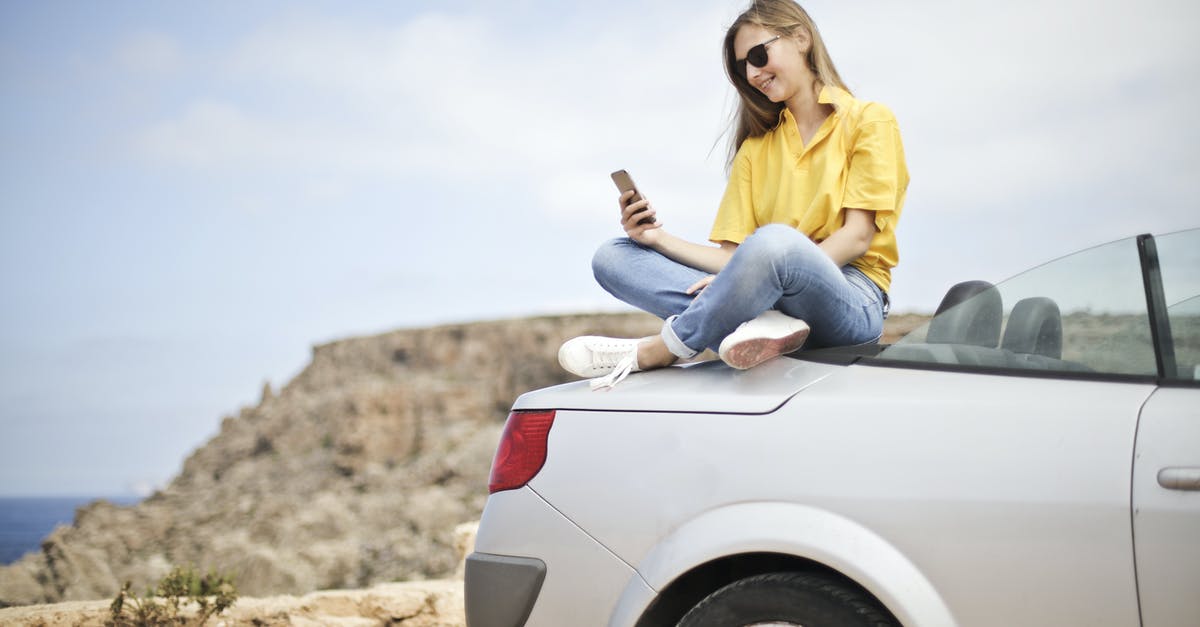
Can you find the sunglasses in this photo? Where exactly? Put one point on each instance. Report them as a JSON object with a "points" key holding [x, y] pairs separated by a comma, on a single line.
{"points": [[756, 56]]}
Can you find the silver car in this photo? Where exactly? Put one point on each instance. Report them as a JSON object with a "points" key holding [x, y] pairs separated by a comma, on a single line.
{"points": [[1031, 456]]}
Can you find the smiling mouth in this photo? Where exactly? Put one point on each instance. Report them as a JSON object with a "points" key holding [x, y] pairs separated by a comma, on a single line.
{"points": [[765, 84]]}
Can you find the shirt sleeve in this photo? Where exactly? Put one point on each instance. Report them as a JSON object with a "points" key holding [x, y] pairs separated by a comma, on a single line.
{"points": [[877, 176], [735, 217]]}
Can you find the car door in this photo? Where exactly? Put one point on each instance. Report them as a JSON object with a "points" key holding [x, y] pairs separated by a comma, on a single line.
{"points": [[1166, 508], [1166, 466], [1123, 312]]}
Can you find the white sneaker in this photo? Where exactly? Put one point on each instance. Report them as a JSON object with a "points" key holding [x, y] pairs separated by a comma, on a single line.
{"points": [[592, 356], [770, 335]]}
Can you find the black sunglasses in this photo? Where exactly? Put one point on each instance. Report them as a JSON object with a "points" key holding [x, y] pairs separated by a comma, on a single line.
{"points": [[756, 56]]}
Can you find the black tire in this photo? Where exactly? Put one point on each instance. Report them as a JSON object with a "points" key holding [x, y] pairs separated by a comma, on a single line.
{"points": [[790, 598]]}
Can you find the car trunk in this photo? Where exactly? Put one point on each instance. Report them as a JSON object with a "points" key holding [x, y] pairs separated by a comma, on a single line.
{"points": [[710, 387]]}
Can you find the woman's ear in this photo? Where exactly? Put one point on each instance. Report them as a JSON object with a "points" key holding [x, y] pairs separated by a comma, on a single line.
{"points": [[803, 41]]}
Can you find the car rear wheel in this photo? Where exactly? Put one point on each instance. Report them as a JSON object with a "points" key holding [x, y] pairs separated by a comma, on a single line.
{"points": [[788, 599]]}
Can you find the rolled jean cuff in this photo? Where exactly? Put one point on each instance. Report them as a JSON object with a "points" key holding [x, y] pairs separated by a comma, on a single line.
{"points": [[674, 344]]}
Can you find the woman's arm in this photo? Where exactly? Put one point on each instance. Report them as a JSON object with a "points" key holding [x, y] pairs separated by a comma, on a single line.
{"points": [[844, 246], [710, 259], [852, 240], [707, 258]]}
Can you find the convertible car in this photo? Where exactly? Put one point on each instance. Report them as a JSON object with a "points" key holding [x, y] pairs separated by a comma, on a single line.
{"points": [[1031, 456]]}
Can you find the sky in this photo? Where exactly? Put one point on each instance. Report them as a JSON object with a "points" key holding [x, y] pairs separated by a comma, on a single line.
{"points": [[193, 194]]}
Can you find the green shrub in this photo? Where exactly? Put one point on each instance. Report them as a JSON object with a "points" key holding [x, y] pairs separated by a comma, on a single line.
{"points": [[167, 603]]}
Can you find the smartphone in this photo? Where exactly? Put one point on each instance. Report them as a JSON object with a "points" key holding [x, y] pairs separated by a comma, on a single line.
{"points": [[625, 184]]}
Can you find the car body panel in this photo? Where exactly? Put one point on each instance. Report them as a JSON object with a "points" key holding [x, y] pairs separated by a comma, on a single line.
{"points": [[943, 508], [799, 530], [637, 596], [709, 387], [570, 555], [1166, 520]]}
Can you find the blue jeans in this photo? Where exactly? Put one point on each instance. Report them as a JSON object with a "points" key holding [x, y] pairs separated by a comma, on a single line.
{"points": [[777, 267]]}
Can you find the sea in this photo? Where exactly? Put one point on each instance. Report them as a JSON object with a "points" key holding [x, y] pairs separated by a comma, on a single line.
{"points": [[26, 521]]}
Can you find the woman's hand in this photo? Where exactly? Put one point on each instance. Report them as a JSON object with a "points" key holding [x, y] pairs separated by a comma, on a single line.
{"points": [[701, 285], [633, 213]]}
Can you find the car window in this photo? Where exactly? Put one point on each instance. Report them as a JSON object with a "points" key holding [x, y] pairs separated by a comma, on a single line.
{"points": [[1179, 260], [1084, 313]]}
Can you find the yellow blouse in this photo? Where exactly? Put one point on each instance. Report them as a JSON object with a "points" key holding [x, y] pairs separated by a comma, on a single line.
{"points": [[855, 160]]}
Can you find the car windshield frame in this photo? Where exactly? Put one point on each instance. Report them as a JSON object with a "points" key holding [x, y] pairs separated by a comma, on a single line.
{"points": [[1162, 368]]}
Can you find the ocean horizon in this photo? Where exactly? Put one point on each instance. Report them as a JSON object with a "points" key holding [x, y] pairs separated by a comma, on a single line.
{"points": [[26, 520]]}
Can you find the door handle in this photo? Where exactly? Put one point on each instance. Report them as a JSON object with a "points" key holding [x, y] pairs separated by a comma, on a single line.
{"points": [[1179, 478]]}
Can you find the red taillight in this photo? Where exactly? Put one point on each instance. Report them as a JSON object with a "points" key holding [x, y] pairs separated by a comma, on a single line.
{"points": [[522, 449]]}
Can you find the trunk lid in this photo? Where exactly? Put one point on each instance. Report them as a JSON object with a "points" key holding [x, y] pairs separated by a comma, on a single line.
{"points": [[709, 387]]}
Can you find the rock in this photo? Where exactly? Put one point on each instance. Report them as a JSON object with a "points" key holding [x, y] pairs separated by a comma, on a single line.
{"points": [[19, 581], [464, 543], [434, 603], [411, 604]]}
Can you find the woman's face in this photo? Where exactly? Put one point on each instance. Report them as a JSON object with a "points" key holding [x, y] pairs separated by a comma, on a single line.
{"points": [[785, 72]]}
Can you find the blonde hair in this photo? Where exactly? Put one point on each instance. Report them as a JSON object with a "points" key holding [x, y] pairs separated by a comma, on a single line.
{"points": [[756, 114]]}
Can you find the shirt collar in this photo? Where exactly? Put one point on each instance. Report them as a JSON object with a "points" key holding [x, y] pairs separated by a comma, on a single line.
{"points": [[829, 94], [835, 96]]}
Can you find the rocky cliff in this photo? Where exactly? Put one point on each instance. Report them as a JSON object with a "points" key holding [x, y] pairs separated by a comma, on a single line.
{"points": [[353, 475]]}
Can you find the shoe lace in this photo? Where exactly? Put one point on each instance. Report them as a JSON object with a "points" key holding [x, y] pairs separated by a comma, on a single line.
{"points": [[624, 367]]}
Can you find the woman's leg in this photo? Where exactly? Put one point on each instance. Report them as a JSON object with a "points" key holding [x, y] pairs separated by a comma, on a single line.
{"points": [[644, 278], [779, 267], [853, 316], [647, 280]]}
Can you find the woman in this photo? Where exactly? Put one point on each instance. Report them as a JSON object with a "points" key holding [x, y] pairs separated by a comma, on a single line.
{"points": [[805, 233]]}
